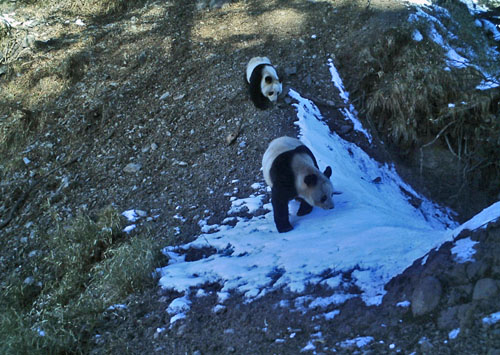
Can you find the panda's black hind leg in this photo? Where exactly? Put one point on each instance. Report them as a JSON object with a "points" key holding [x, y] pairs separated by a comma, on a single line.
{"points": [[304, 208]]}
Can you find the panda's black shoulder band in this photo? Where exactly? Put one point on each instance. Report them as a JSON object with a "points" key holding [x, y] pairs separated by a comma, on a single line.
{"points": [[304, 149]]}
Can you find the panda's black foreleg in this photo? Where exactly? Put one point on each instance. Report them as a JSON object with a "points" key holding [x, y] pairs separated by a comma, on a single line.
{"points": [[280, 211], [304, 208]]}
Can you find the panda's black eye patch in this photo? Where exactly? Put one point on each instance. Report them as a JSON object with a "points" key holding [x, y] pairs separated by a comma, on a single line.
{"points": [[271, 93], [268, 79], [310, 180], [323, 199]]}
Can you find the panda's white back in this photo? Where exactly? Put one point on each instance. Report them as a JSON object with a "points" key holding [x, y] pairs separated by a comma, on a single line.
{"points": [[276, 147], [255, 61]]}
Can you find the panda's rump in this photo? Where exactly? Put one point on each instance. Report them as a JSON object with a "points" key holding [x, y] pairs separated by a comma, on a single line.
{"points": [[277, 147]]}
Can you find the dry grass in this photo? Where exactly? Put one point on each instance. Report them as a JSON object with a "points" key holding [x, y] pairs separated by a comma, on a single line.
{"points": [[52, 304], [410, 97]]}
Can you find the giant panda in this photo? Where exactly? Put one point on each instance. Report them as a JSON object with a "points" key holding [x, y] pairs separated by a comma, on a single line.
{"points": [[291, 170], [264, 83]]}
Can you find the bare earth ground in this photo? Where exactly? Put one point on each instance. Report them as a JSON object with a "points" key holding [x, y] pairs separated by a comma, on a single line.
{"points": [[162, 87]]}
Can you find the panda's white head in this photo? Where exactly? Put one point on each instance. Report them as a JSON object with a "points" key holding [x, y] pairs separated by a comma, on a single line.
{"points": [[317, 189], [270, 85]]}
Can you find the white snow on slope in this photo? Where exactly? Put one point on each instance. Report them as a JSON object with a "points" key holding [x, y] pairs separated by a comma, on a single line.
{"points": [[480, 220], [349, 112], [373, 232], [463, 250]]}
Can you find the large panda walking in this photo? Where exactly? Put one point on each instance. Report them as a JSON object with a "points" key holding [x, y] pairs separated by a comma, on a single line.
{"points": [[291, 170]]}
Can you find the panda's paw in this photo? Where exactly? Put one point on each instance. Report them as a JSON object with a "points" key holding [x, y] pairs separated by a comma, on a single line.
{"points": [[285, 228], [304, 209]]}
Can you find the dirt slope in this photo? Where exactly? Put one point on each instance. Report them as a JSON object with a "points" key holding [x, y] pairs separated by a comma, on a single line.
{"points": [[134, 111]]}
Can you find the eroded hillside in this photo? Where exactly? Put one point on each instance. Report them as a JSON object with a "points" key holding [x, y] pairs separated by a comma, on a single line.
{"points": [[112, 106]]}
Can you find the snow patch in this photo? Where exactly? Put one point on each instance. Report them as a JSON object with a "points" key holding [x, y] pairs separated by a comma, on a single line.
{"points": [[464, 250], [133, 215], [404, 304], [129, 228], [454, 333], [492, 319], [251, 204], [358, 342], [481, 220], [350, 112], [331, 315]]}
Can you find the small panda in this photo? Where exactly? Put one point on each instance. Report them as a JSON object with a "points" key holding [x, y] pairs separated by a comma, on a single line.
{"points": [[265, 85], [291, 170]]}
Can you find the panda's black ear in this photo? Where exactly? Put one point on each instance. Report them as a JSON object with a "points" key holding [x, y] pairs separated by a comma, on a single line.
{"points": [[328, 172], [311, 180], [268, 79]]}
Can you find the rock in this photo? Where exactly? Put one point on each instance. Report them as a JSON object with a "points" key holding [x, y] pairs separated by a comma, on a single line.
{"points": [[463, 310], [476, 270], [457, 274], [28, 41], [231, 137], [448, 319], [291, 70], [132, 168], [459, 294], [345, 129], [466, 313], [426, 296], [485, 288]]}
